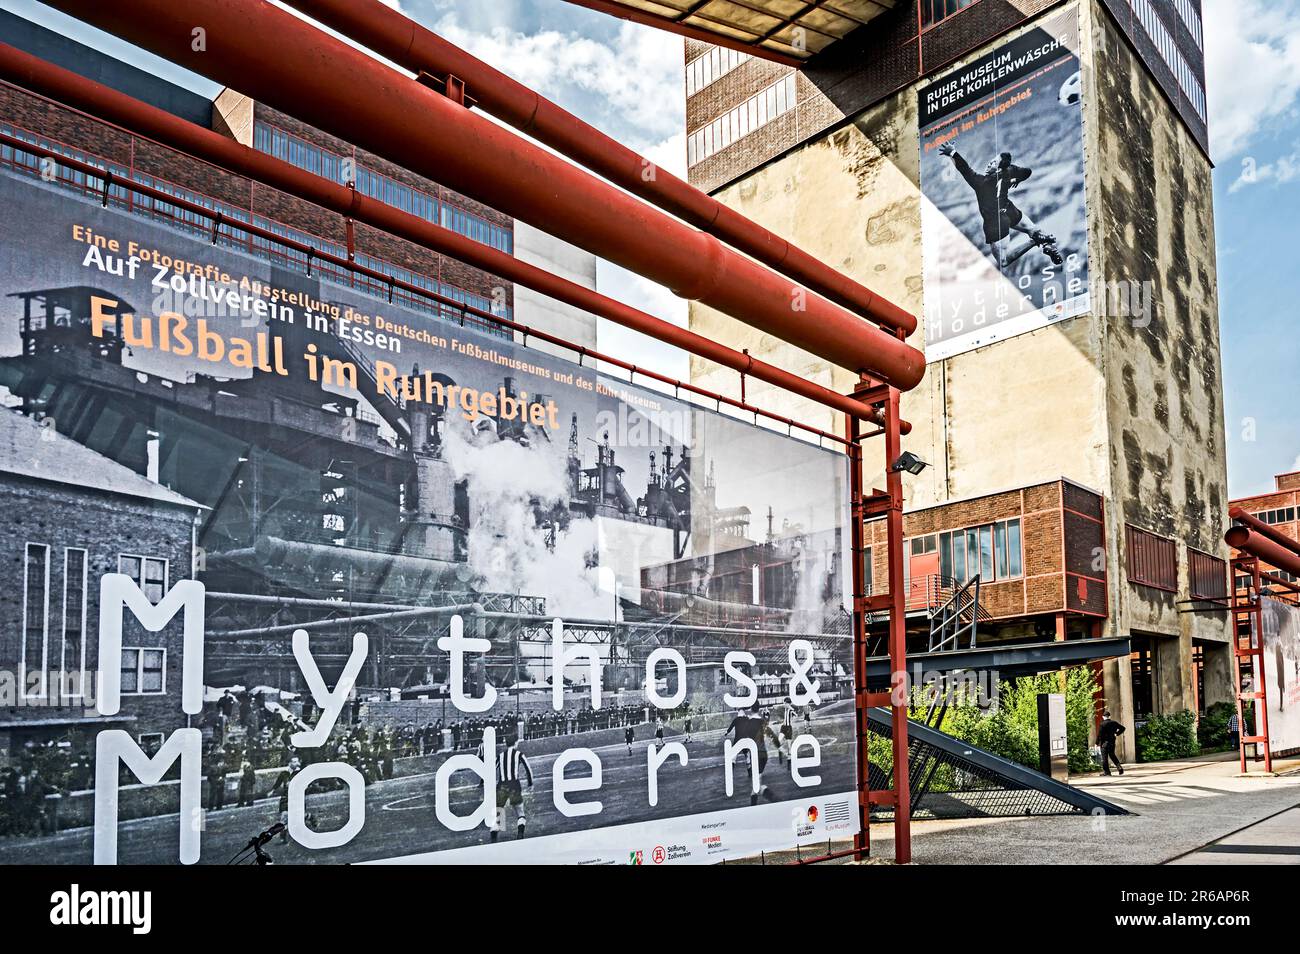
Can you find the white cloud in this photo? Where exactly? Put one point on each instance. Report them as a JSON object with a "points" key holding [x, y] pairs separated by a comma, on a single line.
{"points": [[630, 87], [1281, 170], [1252, 51]]}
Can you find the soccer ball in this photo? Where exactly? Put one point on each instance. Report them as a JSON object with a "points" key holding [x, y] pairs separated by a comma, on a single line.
{"points": [[1072, 90]]}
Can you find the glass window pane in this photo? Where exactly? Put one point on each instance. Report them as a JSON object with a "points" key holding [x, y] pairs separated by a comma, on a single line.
{"points": [[972, 553], [1000, 547], [986, 553], [130, 670], [1013, 548], [945, 554], [959, 557]]}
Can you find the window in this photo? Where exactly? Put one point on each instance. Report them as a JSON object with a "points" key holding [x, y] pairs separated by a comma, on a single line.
{"points": [[36, 612], [933, 11], [990, 551], [923, 545], [1208, 575], [73, 655], [143, 671], [1167, 47], [298, 152], [710, 67], [1280, 515], [149, 573], [739, 122], [1152, 560]]}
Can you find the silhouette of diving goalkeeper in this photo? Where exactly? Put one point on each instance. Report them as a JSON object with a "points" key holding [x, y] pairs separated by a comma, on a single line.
{"points": [[1001, 216]]}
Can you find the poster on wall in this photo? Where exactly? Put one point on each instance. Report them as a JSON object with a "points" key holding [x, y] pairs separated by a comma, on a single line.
{"points": [[293, 570], [1004, 222], [1281, 622]]}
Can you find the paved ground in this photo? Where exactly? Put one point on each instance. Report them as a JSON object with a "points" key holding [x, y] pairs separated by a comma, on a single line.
{"points": [[1179, 808]]}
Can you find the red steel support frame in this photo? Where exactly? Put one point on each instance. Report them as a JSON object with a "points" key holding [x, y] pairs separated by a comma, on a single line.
{"points": [[1247, 613], [1256, 541], [890, 505], [399, 39], [277, 58], [105, 103]]}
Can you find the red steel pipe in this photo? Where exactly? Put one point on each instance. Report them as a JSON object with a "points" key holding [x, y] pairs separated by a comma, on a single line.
{"points": [[408, 44], [106, 103], [1256, 544], [1248, 519], [167, 198], [279, 59]]}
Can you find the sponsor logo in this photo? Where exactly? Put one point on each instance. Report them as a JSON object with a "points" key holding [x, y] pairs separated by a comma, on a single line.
{"points": [[635, 858], [712, 844], [74, 907], [658, 855], [812, 814]]}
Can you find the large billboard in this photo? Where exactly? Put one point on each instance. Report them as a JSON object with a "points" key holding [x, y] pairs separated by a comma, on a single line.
{"points": [[1281, 643], [1004, 221], [380, 587]]}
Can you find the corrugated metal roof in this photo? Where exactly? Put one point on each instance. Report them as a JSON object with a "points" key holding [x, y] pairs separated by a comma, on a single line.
{"points": [[792, 30]]}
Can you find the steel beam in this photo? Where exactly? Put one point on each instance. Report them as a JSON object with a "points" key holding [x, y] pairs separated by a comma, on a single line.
{"points": [[408, 44], [103, 102]]}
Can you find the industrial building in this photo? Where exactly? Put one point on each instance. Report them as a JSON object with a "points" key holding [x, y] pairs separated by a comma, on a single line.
{"points": [[1279, 510], [1076, 460]]}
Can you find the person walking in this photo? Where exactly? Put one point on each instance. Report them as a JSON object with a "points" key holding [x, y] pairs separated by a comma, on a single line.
{"points": [[1107, 734], [1234, 731]]}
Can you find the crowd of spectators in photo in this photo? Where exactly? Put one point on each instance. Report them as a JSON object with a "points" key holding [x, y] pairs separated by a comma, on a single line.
{"points": [[244, 737]]}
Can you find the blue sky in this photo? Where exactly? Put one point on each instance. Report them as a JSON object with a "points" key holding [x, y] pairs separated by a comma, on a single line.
{"points": [[627, 80]]}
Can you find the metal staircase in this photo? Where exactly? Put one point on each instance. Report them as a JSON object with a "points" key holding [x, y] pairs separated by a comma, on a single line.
{"points": [[953, 779], [954, 623]]}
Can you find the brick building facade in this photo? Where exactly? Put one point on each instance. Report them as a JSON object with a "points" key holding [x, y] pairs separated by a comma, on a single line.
{"points": [[50, 569], [1279, 509]]}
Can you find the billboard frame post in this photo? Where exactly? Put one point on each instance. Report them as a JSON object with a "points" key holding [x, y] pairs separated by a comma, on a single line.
{"points": [[1247, 613], [889, 504]]}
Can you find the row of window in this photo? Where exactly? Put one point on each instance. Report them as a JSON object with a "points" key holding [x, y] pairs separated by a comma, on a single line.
{"points": [[932, 11], [711, 67], [298, 152], [231, 236], [1188, 12], [992, 552], [1169, 52], [1281, 515], [146, 666], [754, 113], [1244, 582]]}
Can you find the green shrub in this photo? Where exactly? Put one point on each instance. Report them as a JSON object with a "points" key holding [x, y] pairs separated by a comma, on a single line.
{"points": [[1011, 730], [1212, 733], [1168, 737]]}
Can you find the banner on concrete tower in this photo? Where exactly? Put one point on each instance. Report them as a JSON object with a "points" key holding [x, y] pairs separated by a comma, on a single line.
{"points": [[1281, 674], [1004, 222], [290, 555]]}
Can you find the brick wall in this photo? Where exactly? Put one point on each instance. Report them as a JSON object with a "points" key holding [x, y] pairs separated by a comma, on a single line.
{"points": [[61, 516], [82, 132], [1057, 546]]}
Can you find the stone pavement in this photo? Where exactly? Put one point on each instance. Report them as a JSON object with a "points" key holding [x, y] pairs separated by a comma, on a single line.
{"points": [[1182, 811]]}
